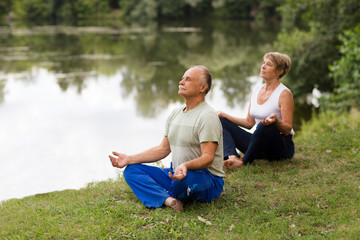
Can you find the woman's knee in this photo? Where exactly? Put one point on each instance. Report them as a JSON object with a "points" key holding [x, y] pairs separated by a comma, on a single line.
{"points": [[223, 120], [262, 130], [227, 124]]}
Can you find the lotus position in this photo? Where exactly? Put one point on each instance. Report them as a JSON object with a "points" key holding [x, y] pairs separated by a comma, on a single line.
{"points": [[271, 109], [193, 135]]}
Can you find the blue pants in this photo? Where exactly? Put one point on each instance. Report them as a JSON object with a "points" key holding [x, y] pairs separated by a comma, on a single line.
{"points": [[152, 185], [265, 143]]}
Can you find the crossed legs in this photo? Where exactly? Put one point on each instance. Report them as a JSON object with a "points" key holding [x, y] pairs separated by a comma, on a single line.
{"points": [[154, 188]]}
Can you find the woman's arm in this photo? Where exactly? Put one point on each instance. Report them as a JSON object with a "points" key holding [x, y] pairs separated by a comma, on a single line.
{"points": [[286, 104], [247, 122]]}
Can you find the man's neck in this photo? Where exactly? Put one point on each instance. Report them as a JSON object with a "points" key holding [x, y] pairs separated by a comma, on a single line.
{"points": [[193, 103]]}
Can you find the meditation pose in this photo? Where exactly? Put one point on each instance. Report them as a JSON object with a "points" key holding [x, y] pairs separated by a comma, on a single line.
{"points": [[193, 134], [271, 109]]}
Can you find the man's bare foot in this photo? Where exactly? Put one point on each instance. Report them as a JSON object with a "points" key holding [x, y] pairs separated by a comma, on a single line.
{"points": [[233, 162], [174, 203]]}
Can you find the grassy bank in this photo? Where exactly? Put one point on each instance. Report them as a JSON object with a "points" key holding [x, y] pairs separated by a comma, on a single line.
{"points": [[316, 195]]}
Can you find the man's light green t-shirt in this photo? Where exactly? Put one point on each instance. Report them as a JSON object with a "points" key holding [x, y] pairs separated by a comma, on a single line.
{"points": [[187, 129]]}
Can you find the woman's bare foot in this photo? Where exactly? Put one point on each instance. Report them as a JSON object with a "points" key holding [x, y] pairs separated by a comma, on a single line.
{"points": [[174, 203], [233, 162]]}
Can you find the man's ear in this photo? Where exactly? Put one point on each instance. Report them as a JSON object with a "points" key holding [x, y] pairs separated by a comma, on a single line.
{"points": [[204, 88]]}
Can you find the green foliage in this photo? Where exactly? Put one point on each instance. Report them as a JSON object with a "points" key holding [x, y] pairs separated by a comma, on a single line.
{"points": [[5, 7], [346, 74], [146, 9], [139, 9], [155, 9], [321, 21], [114, 4], [172, 8], [234, 9], [244, 9], [60, 9], [32, 9], [226, 9], [267, 10], [330, 122]]}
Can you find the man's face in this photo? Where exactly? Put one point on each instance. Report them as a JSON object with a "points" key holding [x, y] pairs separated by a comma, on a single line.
{"points": [[190, 84]]}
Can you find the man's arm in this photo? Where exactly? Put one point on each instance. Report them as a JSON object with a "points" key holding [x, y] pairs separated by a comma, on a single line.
{"points": [[206, 159], [154, 154]]}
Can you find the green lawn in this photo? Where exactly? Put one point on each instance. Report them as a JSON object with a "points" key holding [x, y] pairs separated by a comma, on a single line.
{"points": [[316, 195]]}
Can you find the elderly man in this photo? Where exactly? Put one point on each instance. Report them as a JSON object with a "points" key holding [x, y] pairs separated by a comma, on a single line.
{"points": [[194, 136]]}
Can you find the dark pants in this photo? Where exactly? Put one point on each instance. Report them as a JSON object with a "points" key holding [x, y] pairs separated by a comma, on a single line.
{"points": [[265, 143]]}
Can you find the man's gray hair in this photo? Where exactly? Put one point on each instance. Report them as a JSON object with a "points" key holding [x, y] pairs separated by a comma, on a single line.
{"points": [[205, 77]]}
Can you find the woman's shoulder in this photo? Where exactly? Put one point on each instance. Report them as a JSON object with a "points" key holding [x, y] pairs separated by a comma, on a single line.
{"points": [[283, 87], [285, 95], [284, 90]]}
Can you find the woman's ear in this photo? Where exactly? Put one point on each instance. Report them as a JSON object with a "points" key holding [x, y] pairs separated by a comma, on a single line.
{"points": [[282, 71]]}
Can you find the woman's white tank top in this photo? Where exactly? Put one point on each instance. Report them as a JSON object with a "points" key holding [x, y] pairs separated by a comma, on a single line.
{"points": [[261, 111]]}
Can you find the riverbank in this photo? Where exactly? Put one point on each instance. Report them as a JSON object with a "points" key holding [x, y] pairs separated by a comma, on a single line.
{"points": [[314, 195]]}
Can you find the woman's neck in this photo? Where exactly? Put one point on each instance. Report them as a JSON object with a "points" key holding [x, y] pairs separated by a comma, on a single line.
{"points": [[272, 84]]}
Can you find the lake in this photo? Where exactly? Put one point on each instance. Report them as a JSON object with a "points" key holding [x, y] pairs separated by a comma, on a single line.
{"points": [[69, 95]]}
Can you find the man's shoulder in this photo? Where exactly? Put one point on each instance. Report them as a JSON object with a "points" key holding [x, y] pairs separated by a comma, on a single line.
{"points": [[208, 110], [208, 115], [176, 110]]}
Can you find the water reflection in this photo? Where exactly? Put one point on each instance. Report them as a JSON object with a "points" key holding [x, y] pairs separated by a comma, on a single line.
{"points": [[151, 58], [71, 95]]}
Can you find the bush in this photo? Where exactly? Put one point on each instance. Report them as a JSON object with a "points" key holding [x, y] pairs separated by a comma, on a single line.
{"points": [[329, 122]]}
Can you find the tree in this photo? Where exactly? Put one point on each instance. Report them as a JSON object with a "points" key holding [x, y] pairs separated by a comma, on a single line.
{"points": [[318, 23], [5, 7], [346, 73]]}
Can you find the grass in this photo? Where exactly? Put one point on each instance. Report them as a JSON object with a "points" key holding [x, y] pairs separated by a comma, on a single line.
{"points": [[315, 195]]}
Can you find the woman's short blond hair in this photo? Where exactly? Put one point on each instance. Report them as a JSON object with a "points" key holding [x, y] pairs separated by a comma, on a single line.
{"points": [[282, 61]]}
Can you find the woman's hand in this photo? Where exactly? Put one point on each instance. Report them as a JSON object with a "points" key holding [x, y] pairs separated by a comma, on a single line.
{"points": [[221, 114], [270, 119]]}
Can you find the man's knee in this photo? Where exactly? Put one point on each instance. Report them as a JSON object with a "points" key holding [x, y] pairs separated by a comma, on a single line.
{"points": [[178, 189], [130, 170]]}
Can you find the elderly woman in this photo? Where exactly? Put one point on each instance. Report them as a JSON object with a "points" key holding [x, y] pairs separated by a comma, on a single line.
{"points": [[271, 108]]}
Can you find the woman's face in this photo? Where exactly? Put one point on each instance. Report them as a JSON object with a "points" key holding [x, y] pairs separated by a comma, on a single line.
{"points": [[268, 70]]}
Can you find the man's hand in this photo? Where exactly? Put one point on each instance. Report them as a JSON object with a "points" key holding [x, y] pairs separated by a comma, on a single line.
{"points": [[270, 119], [119, 161], [180, 173]]}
